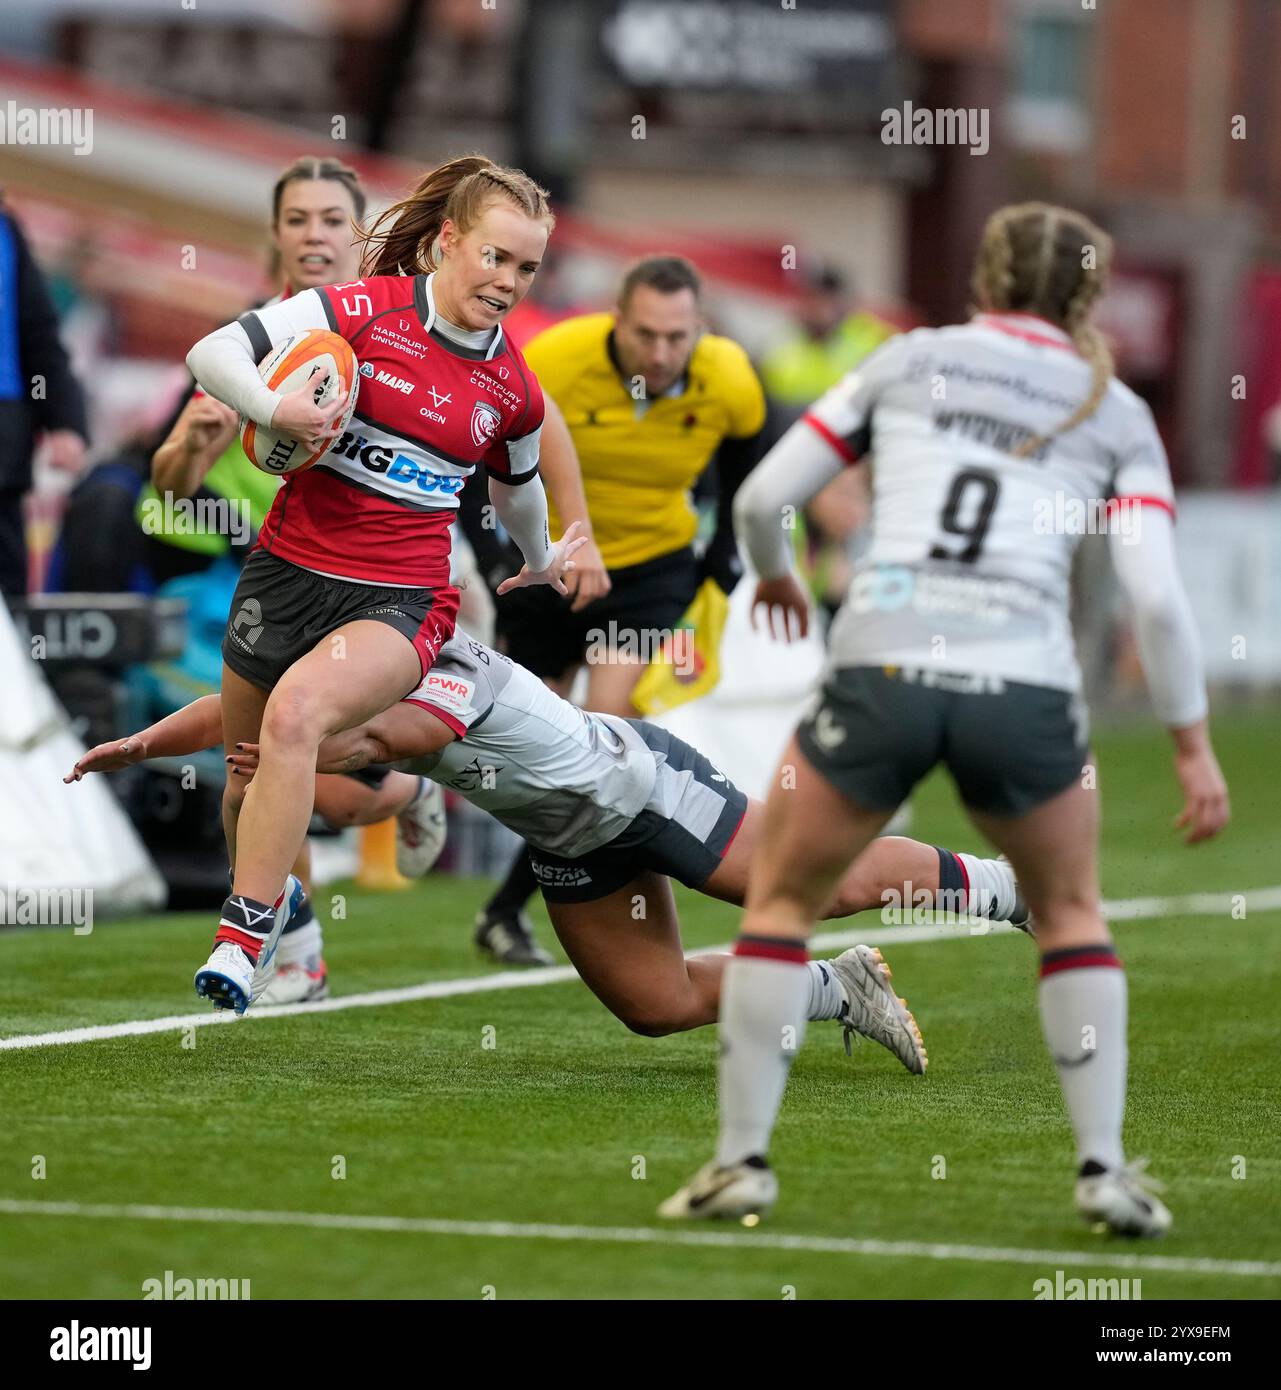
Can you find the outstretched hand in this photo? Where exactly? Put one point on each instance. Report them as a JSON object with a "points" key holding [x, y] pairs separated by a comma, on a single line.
{"points": [[109, 757], [569, 544]]}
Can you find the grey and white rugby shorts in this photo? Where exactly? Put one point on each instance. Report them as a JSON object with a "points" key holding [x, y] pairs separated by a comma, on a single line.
{"points": [[684, 830]]}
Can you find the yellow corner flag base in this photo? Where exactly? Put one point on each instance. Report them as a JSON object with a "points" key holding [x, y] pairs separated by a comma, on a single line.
{"points": [[378, 870]]}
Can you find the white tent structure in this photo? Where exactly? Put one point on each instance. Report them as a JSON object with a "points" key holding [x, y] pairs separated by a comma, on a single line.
{"points": [[54, 836]]}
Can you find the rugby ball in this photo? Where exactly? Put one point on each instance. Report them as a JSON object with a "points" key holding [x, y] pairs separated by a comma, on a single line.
{"points": [[287, 367]]}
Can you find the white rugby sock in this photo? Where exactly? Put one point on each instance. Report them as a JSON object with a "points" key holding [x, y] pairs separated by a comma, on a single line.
{"points": [[1083, 1017], [764, 995], [827, 998], [991, 885]]}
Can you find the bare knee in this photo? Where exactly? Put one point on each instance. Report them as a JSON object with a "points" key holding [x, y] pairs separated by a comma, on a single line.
{"points": [[294, 718]]}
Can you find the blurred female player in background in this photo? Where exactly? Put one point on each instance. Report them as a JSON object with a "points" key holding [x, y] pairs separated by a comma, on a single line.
{"points": [[954, 645], [346, 600], [317, 208]]}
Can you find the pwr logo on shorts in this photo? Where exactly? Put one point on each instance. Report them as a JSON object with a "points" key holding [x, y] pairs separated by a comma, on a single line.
{"points": [[450, 692]]}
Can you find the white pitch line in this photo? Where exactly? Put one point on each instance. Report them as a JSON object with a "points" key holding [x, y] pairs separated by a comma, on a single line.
{"points": [[648, 1235], [875, 933]]}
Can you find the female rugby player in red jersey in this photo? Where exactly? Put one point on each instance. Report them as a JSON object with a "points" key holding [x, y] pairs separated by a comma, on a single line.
{"points": [[317, 209], [346, 601]]}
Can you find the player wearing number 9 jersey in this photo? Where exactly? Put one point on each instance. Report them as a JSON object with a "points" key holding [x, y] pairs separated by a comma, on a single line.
{"points": [[345, 603], [993, 445]]}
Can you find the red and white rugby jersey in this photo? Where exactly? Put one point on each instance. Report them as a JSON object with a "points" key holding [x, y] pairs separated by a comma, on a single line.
{"points": [[377, 508]]}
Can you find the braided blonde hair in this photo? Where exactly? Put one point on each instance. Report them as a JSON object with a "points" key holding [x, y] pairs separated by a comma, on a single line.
{"points": [[1036, 258], [403, 239]]}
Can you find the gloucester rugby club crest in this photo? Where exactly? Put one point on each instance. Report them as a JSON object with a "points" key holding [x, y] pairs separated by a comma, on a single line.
{"points": [[485, 424]]}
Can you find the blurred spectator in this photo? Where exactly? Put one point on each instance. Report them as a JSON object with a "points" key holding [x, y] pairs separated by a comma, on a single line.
{"points": [[39, 395], [832, 338], [316, 208]]}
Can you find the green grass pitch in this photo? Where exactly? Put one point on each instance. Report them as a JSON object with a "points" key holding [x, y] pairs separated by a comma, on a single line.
{"points": [[558, 1120]]}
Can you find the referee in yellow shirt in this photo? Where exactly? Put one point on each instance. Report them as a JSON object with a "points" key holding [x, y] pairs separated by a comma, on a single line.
{"points": [[650, 400]]}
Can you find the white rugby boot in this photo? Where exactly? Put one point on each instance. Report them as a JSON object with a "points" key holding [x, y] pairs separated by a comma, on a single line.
{"points": [[226, 978], [229, 979], [743, 1189], [1123, 1199], [873, 1009], [296, 984], [421, 831]]}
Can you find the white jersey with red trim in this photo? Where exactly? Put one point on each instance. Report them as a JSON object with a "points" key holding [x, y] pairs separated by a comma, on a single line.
{"points": [[566, 780], [377, 508], [968, 565]]}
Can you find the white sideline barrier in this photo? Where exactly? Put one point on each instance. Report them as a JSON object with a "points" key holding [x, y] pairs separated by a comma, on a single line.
{"points": [[54, 836], [1229, 547]]}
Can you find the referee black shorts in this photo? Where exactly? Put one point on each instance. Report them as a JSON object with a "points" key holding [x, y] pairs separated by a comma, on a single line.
{"points": [[536, 628]]}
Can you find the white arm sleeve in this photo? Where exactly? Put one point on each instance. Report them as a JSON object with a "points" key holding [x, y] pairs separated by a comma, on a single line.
{"points": [[225, 363], [1169, 646], [800, 465], [522, 508]]}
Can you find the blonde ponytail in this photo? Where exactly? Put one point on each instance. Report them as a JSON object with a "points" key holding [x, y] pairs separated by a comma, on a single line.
{"points": [[1035, 258]]}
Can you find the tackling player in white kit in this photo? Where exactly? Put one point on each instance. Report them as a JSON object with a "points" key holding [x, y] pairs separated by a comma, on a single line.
{"points": [[953, 645], [613, 809]]}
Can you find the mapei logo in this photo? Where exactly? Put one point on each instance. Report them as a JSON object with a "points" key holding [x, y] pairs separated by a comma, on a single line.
{"points": [[485, 424], [398, 468], [397, 383]]}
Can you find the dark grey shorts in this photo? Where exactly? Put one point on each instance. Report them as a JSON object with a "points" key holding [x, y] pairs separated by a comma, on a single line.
{"points": [[280, 611], [683, 831], [877, 731]]}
